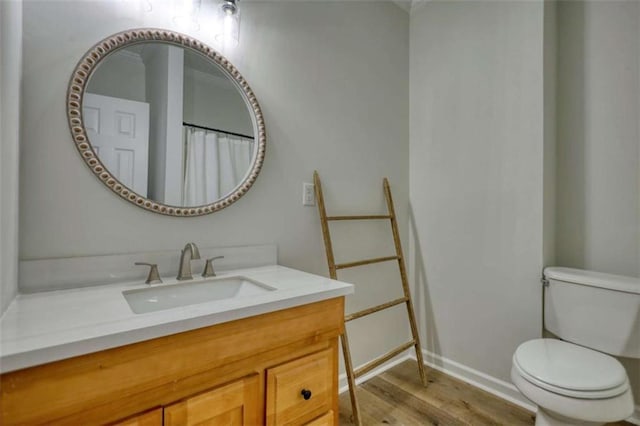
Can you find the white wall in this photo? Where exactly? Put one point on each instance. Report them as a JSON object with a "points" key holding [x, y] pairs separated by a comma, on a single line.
{"points": [[476, 178], [214, 101], [121, 76], [599, 136], [164, 74], [332, 79], [550, 74], [10, 84], [598, 192]]}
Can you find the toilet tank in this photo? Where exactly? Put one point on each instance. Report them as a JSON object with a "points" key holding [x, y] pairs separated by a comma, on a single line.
{"points": [[599, 311]]}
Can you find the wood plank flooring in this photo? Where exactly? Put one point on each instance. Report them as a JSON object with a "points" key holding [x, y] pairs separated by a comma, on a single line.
{"points": [[396, 397]]}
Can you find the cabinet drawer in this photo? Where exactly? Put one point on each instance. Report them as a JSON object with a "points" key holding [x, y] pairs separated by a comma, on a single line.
{"points": [[150, 418], [234, 404], [326, 420], [301, 390]]}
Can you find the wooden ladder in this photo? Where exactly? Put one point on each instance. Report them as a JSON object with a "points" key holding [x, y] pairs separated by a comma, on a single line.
{"points": [[352, 374]]}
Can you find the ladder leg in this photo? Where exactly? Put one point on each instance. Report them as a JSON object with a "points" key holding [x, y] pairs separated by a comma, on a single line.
{"points": [[414, 332], [405, 286], [405, 281], [326, 235], [351, 379]]}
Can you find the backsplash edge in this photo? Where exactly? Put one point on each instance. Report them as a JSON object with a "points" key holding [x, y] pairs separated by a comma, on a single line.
{"points": [[84, 271]]}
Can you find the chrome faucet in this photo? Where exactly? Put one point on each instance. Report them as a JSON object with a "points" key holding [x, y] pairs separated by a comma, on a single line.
{"points": [[189, 252]]}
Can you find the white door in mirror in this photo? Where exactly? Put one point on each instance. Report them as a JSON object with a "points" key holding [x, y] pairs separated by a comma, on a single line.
{"points": [[119, 133]]}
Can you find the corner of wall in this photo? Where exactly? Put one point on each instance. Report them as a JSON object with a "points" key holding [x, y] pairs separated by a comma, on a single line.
{"points": [[550, 138], [10, 91]]}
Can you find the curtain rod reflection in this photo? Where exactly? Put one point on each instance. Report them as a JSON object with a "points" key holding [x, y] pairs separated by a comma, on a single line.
{"points": [[217, 130]]}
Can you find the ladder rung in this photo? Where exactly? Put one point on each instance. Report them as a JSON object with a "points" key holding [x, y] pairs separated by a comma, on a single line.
{"points": [[364, 312], [376, 362], [362, 217], [366, 262]]}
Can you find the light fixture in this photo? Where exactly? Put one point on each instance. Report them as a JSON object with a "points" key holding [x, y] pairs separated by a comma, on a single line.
{"points": [[186, 14], [228, 23]]}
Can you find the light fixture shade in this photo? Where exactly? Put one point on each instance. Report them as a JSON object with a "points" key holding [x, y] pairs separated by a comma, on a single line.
{"points": [[228, 23]]}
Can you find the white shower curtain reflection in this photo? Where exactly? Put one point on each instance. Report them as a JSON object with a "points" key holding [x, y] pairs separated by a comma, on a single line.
{"points": [[215, 163]]}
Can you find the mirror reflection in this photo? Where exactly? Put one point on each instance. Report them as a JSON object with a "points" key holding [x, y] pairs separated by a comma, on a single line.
{"points": [[169, 124]]}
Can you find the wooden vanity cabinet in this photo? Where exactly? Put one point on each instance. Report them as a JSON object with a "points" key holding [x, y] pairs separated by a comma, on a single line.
{"points": [[149, 418], [233, 404], [279, 368], [328, 419], [300, 390]]}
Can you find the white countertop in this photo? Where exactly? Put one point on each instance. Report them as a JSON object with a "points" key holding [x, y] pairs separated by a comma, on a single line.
{"points": [[49, 326]]}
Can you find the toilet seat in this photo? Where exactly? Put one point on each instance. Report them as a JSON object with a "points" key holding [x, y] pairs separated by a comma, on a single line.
{"points": [[570, 370]]}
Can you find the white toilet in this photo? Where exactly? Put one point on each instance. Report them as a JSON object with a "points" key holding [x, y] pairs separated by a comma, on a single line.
{"points": [[572, 381]]}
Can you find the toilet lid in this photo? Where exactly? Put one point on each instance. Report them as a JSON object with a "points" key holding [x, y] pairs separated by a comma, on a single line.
{"points": [[570, 369]]}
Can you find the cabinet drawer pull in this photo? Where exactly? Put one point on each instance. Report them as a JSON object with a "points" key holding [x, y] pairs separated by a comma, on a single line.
{"points": [[306, 394]]}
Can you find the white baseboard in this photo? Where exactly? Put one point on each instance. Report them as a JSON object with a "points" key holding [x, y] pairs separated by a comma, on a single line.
{"points": [[497, 387], [635, 419], [344, 386]]}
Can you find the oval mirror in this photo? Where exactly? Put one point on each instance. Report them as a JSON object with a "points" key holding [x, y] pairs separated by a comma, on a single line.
{"points": [[166, 122]]}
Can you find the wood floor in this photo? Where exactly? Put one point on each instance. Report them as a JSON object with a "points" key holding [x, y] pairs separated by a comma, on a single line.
{"points": [[396, 397]]}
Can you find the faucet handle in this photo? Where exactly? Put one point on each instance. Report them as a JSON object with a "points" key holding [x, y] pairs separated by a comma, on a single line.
{"points": [[208, 267], [154, 276]]}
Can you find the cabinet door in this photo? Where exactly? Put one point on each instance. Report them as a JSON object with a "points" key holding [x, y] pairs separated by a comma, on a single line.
{"points": [[326, 420], [234, 404], [301, 390], [150, 418]]}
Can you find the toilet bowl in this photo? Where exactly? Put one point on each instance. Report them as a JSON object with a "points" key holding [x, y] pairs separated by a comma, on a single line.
{"points": [[570, 384], [575, 381]]}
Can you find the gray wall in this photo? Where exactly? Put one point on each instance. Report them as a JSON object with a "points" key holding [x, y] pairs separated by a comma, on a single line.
{"points": [[120, 76], [550, 74], [331, 102], [10, 85], [598, 137], [598, 225], [215, 102], [476, 178]]}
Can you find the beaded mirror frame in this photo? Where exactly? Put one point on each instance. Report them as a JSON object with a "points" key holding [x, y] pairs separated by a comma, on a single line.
{"points": [[78, 83]]}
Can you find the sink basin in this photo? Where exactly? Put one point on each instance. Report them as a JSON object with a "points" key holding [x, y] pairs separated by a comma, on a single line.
{"points": [[183, 294]]}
